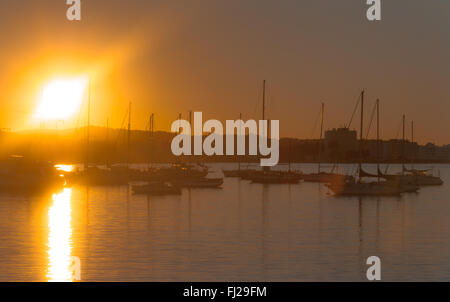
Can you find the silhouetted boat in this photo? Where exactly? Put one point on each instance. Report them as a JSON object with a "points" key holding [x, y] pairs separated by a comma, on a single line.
{"points": [[20, 175], [423, 179], [359, 188], [418, 178], [325, 177], [96, 176], [238, 172], [242, 173], [174, 172], [410, 177], [198, 182], [406, 183], [93, 175], [156, 188], [118, 175], [422, 176], [354, 188], [266, 175], [320, 176]]}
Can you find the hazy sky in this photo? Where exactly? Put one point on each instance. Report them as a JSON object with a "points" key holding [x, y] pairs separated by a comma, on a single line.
{"points": [[209, 55]]}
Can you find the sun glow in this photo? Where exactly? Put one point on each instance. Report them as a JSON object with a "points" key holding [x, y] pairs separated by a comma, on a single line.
{"points": [[64, 168], [61, 98]]}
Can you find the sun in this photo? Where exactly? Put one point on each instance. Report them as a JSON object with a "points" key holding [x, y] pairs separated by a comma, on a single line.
{"points": [[61, 98]]}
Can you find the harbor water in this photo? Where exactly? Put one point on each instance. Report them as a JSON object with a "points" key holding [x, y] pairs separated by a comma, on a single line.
{"points": [[241, 232]]}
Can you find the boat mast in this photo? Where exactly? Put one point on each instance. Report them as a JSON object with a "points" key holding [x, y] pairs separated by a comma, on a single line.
{"points": [[264, 102], [378, 139], [240, 129], [289, 170], [129, 135], [361, 135], [403, 146], [320, 139], [412, 142], [86, 163], [153, 123], [150, 128], [264, 118], [107, 142], [264, 113]]}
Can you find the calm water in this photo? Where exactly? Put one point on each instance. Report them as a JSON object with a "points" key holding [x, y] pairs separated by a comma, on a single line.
{"points": [[243, 232]]}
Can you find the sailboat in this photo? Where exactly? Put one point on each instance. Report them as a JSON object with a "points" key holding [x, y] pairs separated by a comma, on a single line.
{"points": [[266, 175], [412, 176], [93, 175], [425, 179], [406, 183], [242, 173], [234, 173], [359, 188], [422, 176], [153, 184], [278, 177], [168, 181], [200, 182], [187, 175], [320, 176]]}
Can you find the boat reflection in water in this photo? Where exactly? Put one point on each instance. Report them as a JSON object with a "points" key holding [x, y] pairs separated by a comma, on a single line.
{"points": [[60, 238]]}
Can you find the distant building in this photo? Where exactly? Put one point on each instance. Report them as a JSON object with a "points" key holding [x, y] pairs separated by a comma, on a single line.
{"points": [[392, 149], [397, 149], [341, 143], [428, 152], [431, 152], [444, 153], [373, 150]]}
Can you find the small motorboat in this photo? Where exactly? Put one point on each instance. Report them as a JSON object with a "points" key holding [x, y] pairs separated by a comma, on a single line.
{"points": [[355, 188]]}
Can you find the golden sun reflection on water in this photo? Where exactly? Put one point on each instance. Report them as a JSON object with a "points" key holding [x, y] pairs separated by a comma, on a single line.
{"points": [[64, 168], [60, 238]]}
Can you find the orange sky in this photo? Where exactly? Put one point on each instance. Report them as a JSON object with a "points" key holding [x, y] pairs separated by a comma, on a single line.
{"points": [[173, 56]]}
